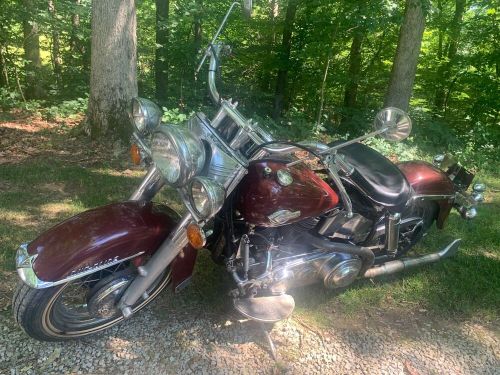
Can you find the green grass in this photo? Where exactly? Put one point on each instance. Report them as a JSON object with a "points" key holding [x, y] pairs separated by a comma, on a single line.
{"points": [[465, 286], [36, 194]]}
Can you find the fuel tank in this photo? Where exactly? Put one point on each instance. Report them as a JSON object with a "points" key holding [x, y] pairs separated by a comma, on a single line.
{"points": [[272, 195]]}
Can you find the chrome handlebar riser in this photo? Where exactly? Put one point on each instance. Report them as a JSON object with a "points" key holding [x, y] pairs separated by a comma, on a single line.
{"points": [[212, 70]]}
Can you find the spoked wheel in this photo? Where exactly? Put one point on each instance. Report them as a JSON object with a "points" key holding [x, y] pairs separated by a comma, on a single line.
{"points": [[410, 235], [78, 308]]}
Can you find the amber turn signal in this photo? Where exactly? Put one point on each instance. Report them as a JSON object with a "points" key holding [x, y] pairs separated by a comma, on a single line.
{"points": [[135, 154], [196, 236]]}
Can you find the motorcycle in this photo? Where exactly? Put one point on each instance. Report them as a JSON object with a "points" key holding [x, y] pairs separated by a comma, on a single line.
{"points": [[276, 214]]}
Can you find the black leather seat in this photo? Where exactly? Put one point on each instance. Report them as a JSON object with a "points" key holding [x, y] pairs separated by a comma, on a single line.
{"points": [[376, 176]]}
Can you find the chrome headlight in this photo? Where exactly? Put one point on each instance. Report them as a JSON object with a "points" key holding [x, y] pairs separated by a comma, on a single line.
{"points": [[178, 154], [207, 196], [145, 114]]}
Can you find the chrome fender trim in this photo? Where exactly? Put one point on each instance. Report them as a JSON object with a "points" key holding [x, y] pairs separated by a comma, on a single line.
{"points": [[24, 266]]}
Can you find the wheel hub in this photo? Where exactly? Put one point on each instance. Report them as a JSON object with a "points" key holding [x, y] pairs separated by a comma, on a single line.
{"points": [[104, 296]]}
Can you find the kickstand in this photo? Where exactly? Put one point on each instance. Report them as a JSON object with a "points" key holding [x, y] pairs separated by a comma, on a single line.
{"points": [[269, 340]]}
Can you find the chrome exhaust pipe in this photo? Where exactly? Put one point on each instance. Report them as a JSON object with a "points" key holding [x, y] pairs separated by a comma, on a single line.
{"points": [[399, 265]]}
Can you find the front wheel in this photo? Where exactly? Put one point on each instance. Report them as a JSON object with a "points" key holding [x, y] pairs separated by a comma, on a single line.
{"points": [[78, 308]]}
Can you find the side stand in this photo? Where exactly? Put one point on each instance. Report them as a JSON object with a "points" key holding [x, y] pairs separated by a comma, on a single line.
{"points": [[266, 330]]}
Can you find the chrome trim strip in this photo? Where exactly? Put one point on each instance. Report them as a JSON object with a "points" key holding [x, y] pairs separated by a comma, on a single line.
{"points": [[24, 265], [430, 197]]}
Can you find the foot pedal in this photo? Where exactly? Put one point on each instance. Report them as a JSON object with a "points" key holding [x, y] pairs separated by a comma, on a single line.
{"points": [[266, 309]]}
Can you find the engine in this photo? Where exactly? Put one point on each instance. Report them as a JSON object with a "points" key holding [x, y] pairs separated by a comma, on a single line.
{"points": [[295, 262]]}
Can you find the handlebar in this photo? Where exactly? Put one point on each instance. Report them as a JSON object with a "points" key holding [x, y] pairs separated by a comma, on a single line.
{"points": [[212, 69]]}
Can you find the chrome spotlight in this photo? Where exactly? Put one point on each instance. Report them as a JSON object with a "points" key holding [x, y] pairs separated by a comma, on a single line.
{"points": [[145, 115]]}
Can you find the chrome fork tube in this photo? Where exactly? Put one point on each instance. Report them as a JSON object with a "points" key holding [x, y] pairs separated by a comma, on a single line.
{"points": [[150, 185], [160, 260]]}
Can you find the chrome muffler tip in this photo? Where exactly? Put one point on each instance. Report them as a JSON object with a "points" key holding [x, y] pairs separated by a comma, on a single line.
{"points": [[399, 265]]}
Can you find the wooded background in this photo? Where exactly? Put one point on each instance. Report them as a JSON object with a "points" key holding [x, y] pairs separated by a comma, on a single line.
{"points": [[305, 69]]}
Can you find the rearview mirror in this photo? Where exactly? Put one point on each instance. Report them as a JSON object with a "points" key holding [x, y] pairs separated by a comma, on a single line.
{"points": [[247, 8], [396, 122]]}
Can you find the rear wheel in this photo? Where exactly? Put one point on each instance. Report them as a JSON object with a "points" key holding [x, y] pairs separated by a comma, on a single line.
{"points": [[411, 234], [78, 308]]}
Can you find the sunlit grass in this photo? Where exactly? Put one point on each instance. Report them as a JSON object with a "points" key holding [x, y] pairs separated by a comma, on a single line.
{"points": [[464, 286]]}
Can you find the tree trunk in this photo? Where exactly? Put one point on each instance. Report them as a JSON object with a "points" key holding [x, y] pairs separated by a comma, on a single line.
{"points": [[75, 44], [351, 89], [161, 52], [284, 60], [4, 76], [328, 62], [444, 70], [266, 78], [440, 31], [198, 31], [404, 67], [113, 76], [56, 57], [31, 44]]}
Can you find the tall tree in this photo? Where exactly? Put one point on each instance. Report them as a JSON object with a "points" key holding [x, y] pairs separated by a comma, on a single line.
{"points": [[354, 70], [55, 53], [34, 89], [444, 70], [329, 58], [4, 76], [113, 77], [161, 53], [404, 67], [75, 44], [355, 59], [266, 80], [198, 31], [284, 59]]}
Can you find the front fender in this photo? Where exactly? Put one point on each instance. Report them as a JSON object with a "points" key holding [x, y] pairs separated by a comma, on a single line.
{"points": [[97, 239]]}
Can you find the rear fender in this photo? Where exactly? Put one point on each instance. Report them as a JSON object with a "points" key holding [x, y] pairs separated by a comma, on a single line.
{"points": [[100, 238], [430, 182]]}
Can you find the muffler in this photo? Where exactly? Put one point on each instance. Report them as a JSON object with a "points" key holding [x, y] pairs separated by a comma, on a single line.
{"points": [[399, 265]]}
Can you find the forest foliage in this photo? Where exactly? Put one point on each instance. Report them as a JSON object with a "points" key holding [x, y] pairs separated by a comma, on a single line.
{"points": [[338, 66]]}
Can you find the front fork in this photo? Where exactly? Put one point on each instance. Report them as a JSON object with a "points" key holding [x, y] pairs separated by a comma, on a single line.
{"points": [[166, 253]]}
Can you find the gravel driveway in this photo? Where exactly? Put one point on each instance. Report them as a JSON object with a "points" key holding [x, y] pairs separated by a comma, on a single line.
{"points": [[165, 340]]}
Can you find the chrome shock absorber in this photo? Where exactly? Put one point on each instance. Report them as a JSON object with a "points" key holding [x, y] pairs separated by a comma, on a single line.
{"points": [[392, 234]]}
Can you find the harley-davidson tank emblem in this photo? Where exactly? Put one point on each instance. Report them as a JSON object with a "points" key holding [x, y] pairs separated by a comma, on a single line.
{"points": [[282, 216], [284, 177]]}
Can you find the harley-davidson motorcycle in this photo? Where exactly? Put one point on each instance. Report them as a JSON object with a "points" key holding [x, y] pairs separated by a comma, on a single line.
{"points": [[276, 214]]}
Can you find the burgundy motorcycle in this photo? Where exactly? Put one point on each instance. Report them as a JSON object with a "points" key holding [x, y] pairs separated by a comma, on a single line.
{"points": [[273, 219]]}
